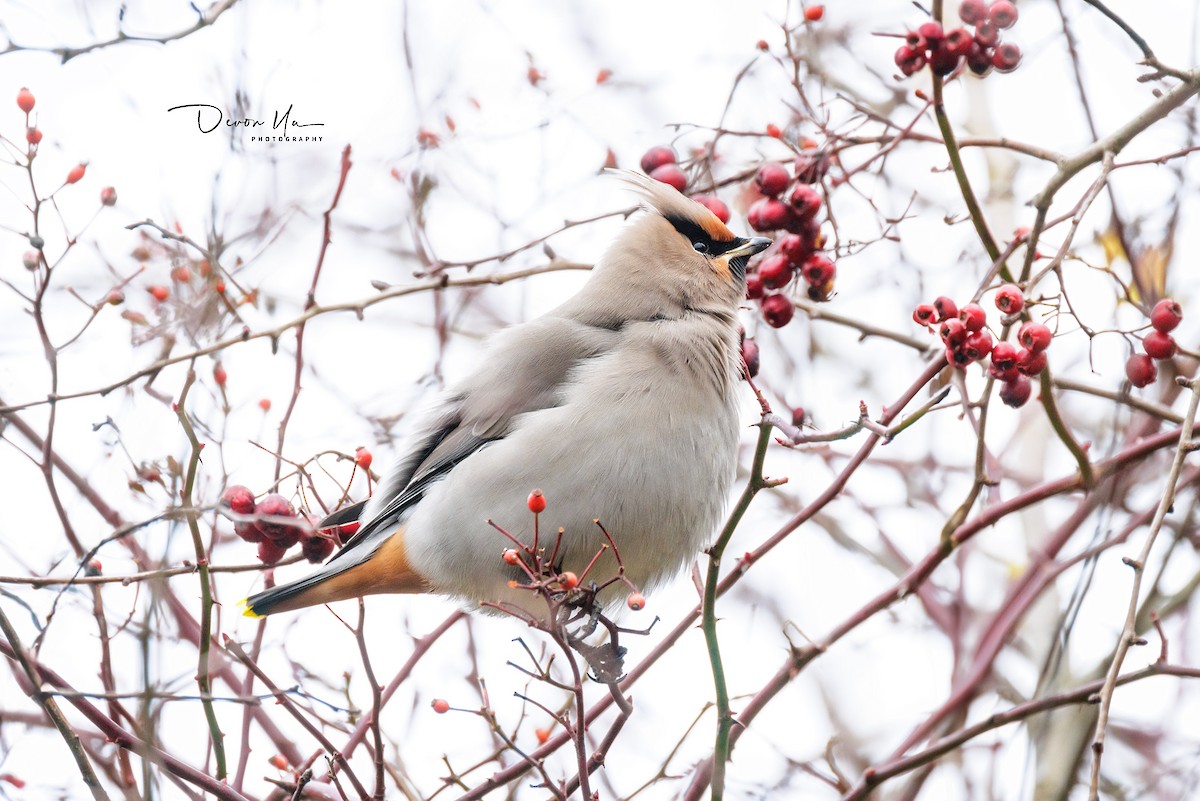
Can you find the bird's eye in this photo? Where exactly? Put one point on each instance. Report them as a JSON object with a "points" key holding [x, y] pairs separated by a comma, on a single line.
{"points": [[701, 247]]}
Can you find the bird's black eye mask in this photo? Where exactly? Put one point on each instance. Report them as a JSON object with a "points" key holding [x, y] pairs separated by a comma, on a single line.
{"points": [[704, 243]]}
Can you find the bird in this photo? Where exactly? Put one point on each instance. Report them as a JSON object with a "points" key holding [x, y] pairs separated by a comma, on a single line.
{"points": [[621, 405]]}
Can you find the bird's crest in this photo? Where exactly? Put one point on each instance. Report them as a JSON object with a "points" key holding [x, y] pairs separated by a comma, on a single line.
{"points": [[675, 206]]}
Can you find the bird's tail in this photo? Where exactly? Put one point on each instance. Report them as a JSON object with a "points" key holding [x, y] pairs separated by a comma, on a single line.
{"points": [[382, 567]]}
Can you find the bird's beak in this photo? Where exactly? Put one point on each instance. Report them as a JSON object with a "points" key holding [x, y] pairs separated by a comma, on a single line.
{"points": [[749, 247]]}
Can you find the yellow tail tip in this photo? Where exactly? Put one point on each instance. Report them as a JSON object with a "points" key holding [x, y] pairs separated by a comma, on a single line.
{"points": [[249, 611]]}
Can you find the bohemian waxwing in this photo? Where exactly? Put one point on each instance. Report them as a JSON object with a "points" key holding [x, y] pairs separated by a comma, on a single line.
{"points": [[620, 404]]}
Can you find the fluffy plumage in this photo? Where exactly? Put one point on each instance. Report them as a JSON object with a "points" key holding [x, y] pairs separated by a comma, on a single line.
{"points": [[619, 404]]}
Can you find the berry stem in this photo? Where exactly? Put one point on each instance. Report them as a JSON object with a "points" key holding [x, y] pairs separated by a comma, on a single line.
{"points": [[203, 677], [721, 751]]}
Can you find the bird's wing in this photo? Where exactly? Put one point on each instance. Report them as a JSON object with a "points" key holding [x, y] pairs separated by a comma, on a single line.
{"points": [[523, 371]]}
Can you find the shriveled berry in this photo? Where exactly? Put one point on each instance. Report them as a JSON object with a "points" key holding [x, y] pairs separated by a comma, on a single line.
{"points": [[636, 601], [671, 175], [1002, 14], [270, 552], [972, 11], [1010, 299], [76, 173], [924, 314], [108, 196], [772, 179], [440, 705], [115, 297], [1159, 345], [1034, 336], [818, 270], [25, 100], [973, 316], [805, 200], [946, 308], [1007, 57], [953, 332], [1140, 370], [536, 501], [362, 458], [1016, 392], [655, 157], [769, 214], [754, 286], [715, 205], [777, 310], [1031, 362], [239, 499], [1165, 315], [316, 549], [751, 358]]}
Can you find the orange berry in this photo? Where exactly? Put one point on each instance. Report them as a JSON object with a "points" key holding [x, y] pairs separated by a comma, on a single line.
{"points": [[362, 458], [25, 100], [181, 274], [219, 374], [158, 292], [542, 735], [279, 761], [33, 135], [568, 580], [537, 501], [814, 13], [636, 601], [265, 404], [219, 287], [440, 705], [76, 173], [774, 131], [511, 557], [603, 75]]}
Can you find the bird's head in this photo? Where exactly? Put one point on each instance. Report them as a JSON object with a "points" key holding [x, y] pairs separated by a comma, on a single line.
{"points": [[678, 250]]}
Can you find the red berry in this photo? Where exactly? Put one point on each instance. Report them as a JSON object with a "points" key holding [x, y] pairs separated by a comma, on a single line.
{"points": [[1004, 356], [568, 580], [987, 34], [1002, 14], [181, 274], [248, 530], [818, 270], [277, 506], [799, 416], [814, 13], [115, 297], [1007, 57], [1016, 392], [777, 310], [978, 345], [511, 557], [751, 357], [316, 549], [542, 735], [239, 499], [603, 75], [1166, 315], [1010, 299], [909, 59], [924, 314], [219, 374], [979, 59], [811, 167], [931, 32], [946, 308], [346, 532], [715, 205], [536, 501], [794, 248], [76, 173], [1003, 374], [1140, 370], [1034, 336], [362, 458], [958, 42], [772, 179], [270, 552], [440, 705], [973, 316], [25, 100], [957, 356], [942, 61], [1031, 362], [805, 200], [754, 286], [769, 214], [636, 601], [158, 292], [108, 196], [33, 135], [775, 271], [762, 45], [953, 332], [972, 11], [279, 761], [1159, 345], [656, 157], [265, 404], [671, 175]]}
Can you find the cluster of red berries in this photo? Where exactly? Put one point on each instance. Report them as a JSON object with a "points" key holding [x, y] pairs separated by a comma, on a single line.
{"points": [[964, 334], [33, 136], [269, 528], [796, 253], [1158, 344], [944, 50]]}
